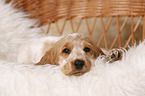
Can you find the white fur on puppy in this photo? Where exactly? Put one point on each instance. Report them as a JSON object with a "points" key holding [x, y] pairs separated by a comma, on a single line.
{"points": [[32, 50]]}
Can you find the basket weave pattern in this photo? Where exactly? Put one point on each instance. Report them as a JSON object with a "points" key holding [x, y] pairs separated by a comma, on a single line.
{"points": [[50, 11]]}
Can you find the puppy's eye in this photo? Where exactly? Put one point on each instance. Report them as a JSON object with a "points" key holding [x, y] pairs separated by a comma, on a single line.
{"points": [[86, 49], [66, 50]]}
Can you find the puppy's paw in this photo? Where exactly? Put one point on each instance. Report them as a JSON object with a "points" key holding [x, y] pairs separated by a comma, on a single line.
{"points": [[114, 55]]}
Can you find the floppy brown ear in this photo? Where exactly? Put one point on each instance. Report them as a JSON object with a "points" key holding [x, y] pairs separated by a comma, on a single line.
{"points": [[50, 57], [98, 51]]}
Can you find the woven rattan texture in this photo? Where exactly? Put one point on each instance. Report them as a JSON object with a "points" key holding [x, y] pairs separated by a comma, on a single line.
{"points": [[50, 11]]}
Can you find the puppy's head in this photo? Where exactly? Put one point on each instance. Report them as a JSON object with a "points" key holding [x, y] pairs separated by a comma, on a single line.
{"points": [[74, 53]]}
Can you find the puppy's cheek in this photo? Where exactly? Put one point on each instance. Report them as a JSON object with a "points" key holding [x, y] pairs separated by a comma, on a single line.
{"points": [[88, 65], [67, 70], [93, 55], [92, 60], [96, 55]]}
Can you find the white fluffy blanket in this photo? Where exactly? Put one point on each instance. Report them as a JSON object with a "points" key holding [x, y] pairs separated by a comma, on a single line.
{"points": [[121, 78]]}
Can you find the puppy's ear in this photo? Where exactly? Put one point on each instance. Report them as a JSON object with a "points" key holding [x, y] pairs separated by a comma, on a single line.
{"points": [[98, 51], [50, 57]]}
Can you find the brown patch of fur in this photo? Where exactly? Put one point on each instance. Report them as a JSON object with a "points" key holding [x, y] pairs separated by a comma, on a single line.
{"points": [[50, 57]]}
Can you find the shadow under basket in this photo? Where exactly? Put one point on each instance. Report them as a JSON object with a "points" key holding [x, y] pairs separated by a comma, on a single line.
{"points": [[109, 23]]}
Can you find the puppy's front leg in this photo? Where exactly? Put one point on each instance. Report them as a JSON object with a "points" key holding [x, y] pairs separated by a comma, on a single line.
{"points": [[114, 55]]}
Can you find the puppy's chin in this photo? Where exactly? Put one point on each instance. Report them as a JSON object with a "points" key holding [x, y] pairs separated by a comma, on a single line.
{"points": [[78, 73], [73, 73]]}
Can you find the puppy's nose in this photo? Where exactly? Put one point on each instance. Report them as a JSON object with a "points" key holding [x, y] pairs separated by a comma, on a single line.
{"points": [[79, 64]]}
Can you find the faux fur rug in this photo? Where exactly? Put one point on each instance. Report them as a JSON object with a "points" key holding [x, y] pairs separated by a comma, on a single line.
{"points": [[121, 78], [15, 28]]}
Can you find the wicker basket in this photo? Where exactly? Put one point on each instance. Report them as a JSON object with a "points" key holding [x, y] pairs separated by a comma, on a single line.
{"points": [[129, 14]]}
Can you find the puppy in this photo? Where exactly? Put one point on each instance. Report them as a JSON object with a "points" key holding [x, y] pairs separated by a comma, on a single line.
{"points": [[74, 53]]}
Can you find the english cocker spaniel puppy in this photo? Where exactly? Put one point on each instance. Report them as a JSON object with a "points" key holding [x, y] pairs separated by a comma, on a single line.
{"points": [[74, 53]]}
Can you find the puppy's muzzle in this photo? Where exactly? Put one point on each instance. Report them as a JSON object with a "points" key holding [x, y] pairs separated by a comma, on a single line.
{"points": [[78, 64]]}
